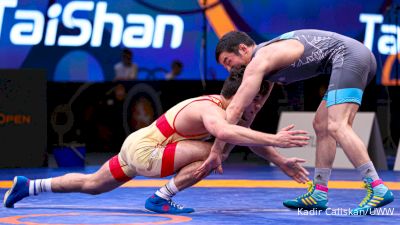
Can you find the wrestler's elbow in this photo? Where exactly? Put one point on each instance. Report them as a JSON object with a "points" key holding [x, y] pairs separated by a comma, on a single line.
{"points": [[224, 134]]}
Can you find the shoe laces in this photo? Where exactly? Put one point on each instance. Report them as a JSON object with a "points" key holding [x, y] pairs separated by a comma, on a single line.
{"points": [[175, 205], [369, 194], [310, 189]]}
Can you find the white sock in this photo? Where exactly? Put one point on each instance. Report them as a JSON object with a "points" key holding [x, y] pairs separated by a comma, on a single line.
{"points": [[168, 191], [39, 185]]}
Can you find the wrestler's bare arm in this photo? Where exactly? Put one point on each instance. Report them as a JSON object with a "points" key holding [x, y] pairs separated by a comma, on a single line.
{"points": [[290, 166], [269, 58], [248, 117], [214, 121]]}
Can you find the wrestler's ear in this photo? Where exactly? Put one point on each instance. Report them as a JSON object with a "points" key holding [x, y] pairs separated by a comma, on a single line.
{"points": [[243, 49]]}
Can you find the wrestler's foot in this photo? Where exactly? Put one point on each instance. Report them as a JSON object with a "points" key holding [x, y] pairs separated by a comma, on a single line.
{"points": [[378, 195], [160, 205], [18, 191], [315, 198]]}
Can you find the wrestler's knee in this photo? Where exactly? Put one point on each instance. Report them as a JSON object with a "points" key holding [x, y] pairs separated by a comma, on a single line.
{"points": [[206, 150], [320, 127], [335, 128]]}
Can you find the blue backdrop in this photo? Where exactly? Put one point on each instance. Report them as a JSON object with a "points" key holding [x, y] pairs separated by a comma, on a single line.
{"points": [[82, 40]]}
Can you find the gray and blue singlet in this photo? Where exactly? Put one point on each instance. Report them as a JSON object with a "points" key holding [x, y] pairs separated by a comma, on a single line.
{"points": [[350, 64]]}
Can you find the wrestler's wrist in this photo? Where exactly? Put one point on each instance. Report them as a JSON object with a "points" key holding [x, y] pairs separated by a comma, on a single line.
{"points": [[275, 140], [279, 161]]}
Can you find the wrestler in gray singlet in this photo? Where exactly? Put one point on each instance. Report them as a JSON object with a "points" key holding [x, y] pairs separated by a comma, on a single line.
{"points": [[350, 64]]}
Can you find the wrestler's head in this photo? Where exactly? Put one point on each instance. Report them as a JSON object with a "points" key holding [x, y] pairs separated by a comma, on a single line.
{"points": [[232, 84], [233, 49]]}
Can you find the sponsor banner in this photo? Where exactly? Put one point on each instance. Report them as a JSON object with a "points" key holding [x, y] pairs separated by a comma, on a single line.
{"points": [[22, 118], [82, 40]]}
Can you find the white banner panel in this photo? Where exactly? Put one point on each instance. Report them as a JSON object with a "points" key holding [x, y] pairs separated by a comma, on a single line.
{"points": [[365, 125], [397, 163]]}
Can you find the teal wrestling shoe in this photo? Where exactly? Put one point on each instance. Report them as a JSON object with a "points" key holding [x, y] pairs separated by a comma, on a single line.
{"points": [[18, 191], [378, 195], [315, 198], [160, 205]]}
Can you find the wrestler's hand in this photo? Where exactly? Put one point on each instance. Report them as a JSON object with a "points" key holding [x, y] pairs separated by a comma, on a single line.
{"points": [[288, 138], [292, 168], [213, 162]]}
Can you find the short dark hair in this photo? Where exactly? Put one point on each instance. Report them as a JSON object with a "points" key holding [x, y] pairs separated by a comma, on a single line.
{"points": [[127, 51], [177, 63], [232, 83], [230, 43]]}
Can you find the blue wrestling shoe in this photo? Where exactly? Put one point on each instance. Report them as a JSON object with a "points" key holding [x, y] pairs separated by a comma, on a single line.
{"points": [[18, 191], [315, 198], [160, 205], [378, 195]]}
